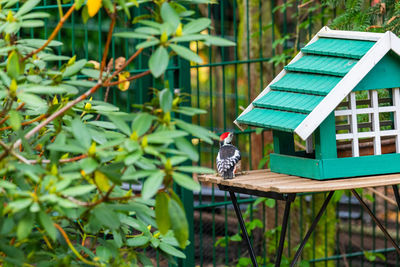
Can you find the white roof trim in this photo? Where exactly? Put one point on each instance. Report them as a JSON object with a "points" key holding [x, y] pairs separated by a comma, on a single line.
{"points": [[365, 36], [279, 76], [347, 84]]}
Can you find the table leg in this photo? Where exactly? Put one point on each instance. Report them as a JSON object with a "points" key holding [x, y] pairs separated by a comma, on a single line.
{"points": [[283, 233], [243, 227], [312, 228], [396, 195], [372, 215]]}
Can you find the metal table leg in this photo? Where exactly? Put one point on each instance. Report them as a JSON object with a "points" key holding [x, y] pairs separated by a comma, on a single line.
{"points": [[283, 233], [396, 195], [243, 227], [312, 228], [376, 219]]}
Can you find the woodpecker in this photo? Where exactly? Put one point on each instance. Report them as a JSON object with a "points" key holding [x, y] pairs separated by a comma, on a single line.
{"points": [[228, 156]]}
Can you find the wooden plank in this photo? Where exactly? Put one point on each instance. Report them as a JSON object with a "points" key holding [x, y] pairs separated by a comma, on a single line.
{"points": [[325, 139], [361, 166], [296, 166], [367, 36], [262, 185], [283, 142], [280, 183], [305, 187]]}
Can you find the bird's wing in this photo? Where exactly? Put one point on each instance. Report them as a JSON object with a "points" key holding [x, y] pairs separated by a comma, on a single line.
{"points": [[227, 157]]}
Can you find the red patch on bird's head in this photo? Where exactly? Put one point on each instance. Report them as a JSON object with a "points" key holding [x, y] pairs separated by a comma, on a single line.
{"points": [[223, 136]]}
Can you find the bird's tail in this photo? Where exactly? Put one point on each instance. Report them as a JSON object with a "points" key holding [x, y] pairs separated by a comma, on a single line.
{"points": [[228, 175]]}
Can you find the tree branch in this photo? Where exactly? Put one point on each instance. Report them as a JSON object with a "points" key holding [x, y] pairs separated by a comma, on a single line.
{"points": [[53, 34], [137, 76], [107, 46], [26, 122], [15, 154], [71, 246]]}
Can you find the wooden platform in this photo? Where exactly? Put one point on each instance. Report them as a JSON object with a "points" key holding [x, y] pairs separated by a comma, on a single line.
{"points": [[267, 181]]}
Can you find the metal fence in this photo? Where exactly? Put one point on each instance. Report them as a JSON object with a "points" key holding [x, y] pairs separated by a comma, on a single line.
{"points": [[267, 34]]}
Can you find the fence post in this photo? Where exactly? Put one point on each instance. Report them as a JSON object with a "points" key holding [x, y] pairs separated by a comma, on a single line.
{"points": [[186, 195]]}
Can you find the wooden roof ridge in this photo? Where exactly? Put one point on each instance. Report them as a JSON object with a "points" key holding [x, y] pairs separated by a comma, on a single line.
{"points": [[383, 43]]}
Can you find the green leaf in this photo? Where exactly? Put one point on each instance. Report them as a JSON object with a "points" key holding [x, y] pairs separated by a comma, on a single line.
{"points": [[139, 174], [189, 111], [172, 251], [125, 8], [137, 241], [32, 23], [35, 15], [7, 185], [47, 223], [148, 30], [145, 260], [34, 102], [161, 209], [25, 226], [197, 131], [78, 4], [178, 222], [186, 181], [120, 124], [81, 133], [169, 15], [74, 68], [166, 100], [218, 41], [270, 203], [195, 169], [103, 253], [142, 123], [165, 136], [158, 61], [185, 146], [78, 190], [47, 90], [148, 44], [133, 35], [28, 6], [106, 216], [88, 165], [152, 184], [20, 204], [13, 66], [15, 120], [189, 38], [196, 26], [133, 157], [186, 53]]}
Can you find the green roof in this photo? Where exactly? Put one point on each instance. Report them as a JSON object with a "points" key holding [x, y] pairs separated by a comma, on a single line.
{"points": [[308, 80]]}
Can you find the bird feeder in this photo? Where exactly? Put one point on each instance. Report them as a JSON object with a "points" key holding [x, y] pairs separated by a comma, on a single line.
{"points": [[341, 95]]}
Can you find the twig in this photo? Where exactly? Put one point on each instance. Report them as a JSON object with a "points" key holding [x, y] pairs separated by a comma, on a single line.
{"points": [[74, 102], [137, 76], [58, 113], [391, 201], [79, 256], [15, 154], [8, 116], [53, 34], [60, 161], [107, 46], [26, 122]]}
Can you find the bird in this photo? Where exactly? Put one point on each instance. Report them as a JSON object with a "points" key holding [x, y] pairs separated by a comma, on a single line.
{"points": [[228, 157]]}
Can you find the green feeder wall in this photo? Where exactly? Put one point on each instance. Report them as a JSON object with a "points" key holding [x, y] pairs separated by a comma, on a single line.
{"points": [[341, 90]]}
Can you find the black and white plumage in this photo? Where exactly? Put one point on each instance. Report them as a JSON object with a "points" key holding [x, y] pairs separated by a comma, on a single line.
{"points": [[228, 156]]}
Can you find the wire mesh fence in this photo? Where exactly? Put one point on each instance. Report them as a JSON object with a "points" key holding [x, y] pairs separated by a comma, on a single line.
{"points": [[267, 33]]}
